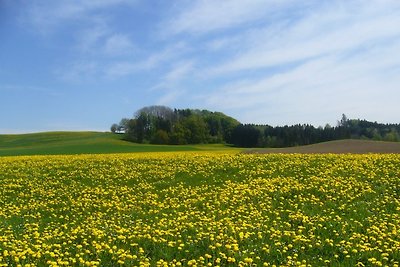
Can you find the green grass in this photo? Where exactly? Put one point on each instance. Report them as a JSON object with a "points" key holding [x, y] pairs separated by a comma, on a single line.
{"points": [[69, 143]]}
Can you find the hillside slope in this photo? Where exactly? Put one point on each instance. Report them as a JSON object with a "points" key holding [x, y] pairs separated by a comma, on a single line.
{"points": [[56, 143], [338, 147]]}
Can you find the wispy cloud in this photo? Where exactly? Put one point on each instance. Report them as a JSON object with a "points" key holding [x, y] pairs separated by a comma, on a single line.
{"points": [[91, 38], [150, 61], [47, 16], [333, 57], [320, 34], [170, 97], [329, 85], [100, 40], [171, 84], [207, 16], [264, 61], [179, 71], [119, 44], [92, 44], [79, 71]]}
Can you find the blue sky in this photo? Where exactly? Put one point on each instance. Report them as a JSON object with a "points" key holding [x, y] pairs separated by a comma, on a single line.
{"points": [[83, 65]]}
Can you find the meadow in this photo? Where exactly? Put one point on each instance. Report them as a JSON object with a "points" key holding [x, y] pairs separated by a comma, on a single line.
{"points": [[200, 209], [74, 143]]}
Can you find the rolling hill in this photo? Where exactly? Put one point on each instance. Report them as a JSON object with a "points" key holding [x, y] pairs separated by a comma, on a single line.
{"points": [[56, 143], [338, 147]]}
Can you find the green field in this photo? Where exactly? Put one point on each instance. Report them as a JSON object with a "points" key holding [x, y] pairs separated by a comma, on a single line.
{"points": [[200, 209], [72, 143], [57, 143]]}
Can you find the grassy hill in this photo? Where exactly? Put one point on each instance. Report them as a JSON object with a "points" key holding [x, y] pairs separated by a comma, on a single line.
{"points": [[55, 143], [338, 147]]}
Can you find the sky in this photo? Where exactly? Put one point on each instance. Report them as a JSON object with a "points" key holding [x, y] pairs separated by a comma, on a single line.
{"points": [[83, 65]]}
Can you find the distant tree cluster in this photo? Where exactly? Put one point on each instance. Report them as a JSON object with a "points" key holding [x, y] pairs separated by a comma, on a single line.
{"points": [[251, 135], [163, 125]]}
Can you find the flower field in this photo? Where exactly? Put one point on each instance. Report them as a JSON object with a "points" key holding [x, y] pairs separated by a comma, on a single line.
{"points": [[204, 209]]}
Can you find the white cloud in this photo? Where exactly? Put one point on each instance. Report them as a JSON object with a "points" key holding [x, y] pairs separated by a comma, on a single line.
{"points": [[208, 15], [179, 71], [88, 26], [265, 61], [170, 97], [170, 86], [118, 44], [100, 40], [120, 69], [88, 22], [327, 86], [79, 71], [151, 61], [47, 16], [335, 57], [90, 39], [338, 31]]}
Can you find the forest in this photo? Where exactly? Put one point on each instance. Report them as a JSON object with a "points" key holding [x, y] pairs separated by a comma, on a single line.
{"points": [[163, 125]]}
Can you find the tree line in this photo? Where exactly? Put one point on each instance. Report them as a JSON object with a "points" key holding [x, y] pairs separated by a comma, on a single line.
{"points": [[163, 125]]}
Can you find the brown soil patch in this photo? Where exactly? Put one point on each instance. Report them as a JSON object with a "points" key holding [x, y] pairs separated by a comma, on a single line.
{"points": [[338, 147]]}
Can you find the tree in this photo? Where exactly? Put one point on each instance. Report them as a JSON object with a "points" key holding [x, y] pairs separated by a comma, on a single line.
{"points": [[123, 125], [197, 128], [343, 121], [246, 135], [161, 125], [376, 135], [142, 127], [182, 126], [130, 131], [160, 137], [392, 136], [179, 134], [156, 112], [114, 128]]}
